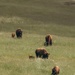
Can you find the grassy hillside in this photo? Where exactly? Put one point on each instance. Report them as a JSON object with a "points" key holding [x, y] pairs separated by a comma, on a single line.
{"points": [[37, 18], [14, 55], [49, 16]]}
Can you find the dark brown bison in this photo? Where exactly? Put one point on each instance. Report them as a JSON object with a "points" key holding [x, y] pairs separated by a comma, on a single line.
{"points": [[41, 53], [48, 40], [55, 70], [19, 33], [13, 35]]}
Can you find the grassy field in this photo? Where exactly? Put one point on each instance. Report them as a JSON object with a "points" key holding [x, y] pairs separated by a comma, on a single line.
{"points": [[37, 18], [14, 55], [49, 16]]}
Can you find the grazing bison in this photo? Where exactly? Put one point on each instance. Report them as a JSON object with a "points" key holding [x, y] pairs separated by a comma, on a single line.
{"points": [[41, 53], [55, 70], [19, 33], [13, 35], [48, 39]]}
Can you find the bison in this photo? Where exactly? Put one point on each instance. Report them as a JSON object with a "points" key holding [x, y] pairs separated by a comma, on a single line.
{"points": [[31, 57], [13, 35], [41, 53], [19, 33], [55, 70], [48, 40]]}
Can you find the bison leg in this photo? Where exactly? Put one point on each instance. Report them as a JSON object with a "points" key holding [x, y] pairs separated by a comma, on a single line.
{"points": [[54, 72], [36, 55], [47, 43], [45, 56], [50, 42]]}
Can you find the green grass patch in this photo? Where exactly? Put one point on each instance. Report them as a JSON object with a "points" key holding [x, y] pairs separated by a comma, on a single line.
{"points": [[14, 55], [36, 18]]}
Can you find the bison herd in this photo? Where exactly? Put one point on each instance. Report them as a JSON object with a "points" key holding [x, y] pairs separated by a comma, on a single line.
{"points": [[40, 52], [18, 33]]}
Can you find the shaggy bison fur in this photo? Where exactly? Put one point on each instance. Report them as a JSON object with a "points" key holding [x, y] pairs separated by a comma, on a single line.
{"points": [[41, 53], [48, 40], [19, 33], [55, 70]]}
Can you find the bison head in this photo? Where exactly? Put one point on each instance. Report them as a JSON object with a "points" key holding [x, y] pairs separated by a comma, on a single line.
{"points": [[55, 70], [46, 55]]}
